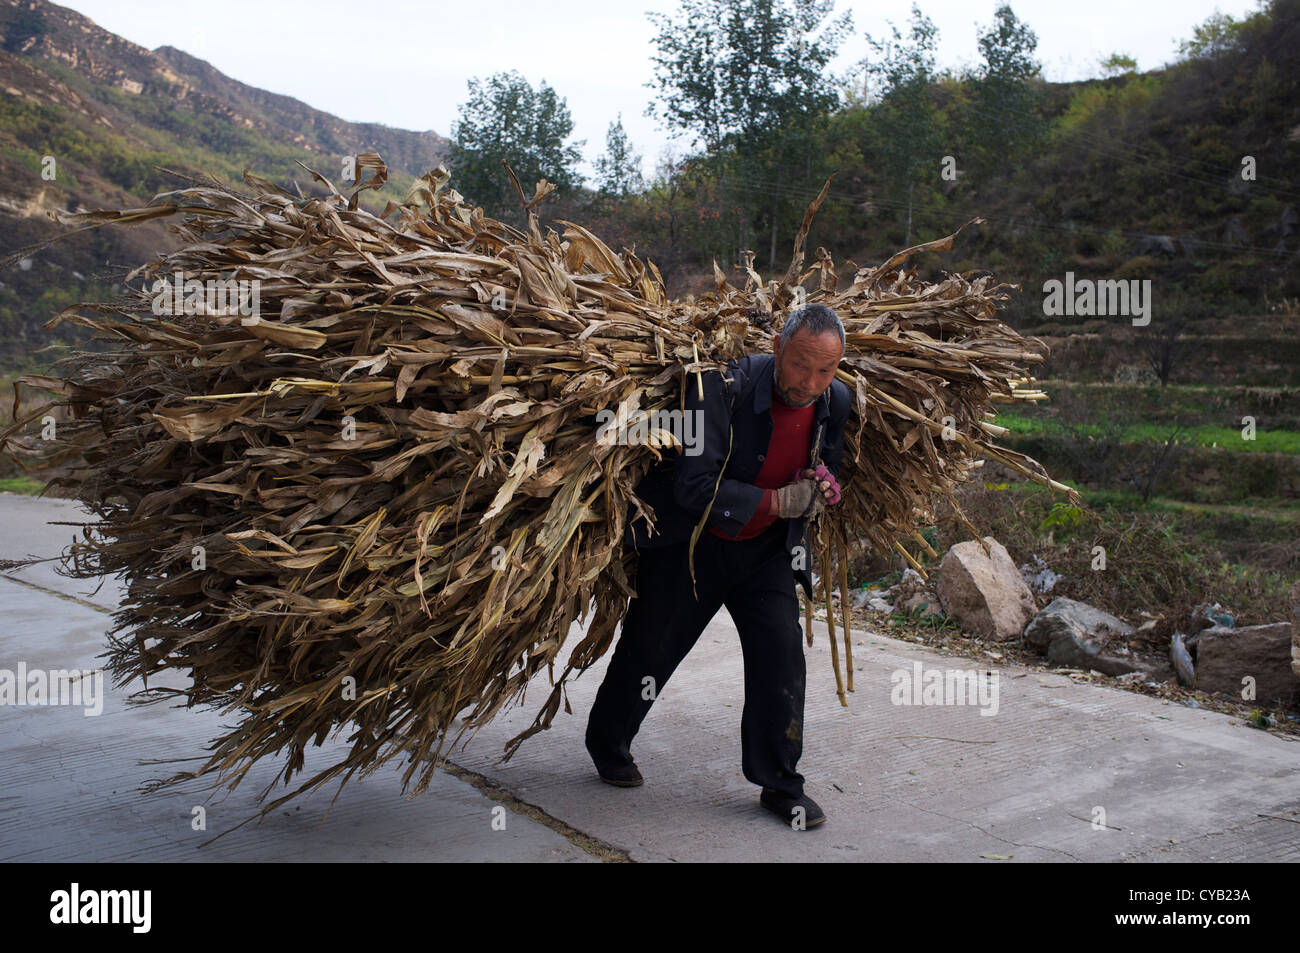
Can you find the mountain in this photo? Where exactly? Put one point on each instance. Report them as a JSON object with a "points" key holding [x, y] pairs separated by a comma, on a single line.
{"points": [[87, 118]]}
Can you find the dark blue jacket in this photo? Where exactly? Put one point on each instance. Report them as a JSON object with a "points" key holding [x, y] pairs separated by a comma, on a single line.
{"points": [[737, 413]]}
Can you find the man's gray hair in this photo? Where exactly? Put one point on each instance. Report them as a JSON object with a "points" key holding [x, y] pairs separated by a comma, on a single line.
{"points": [[816, 318]]}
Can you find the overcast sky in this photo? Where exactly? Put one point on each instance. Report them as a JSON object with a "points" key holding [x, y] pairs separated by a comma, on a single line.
{"points": [[405, 62]]}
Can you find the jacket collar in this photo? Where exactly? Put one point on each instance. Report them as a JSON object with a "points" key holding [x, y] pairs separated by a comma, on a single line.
{"points": [[765, 372]]}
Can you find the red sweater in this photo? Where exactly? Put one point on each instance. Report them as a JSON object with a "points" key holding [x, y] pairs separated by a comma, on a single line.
{"points": [[787, 451]]}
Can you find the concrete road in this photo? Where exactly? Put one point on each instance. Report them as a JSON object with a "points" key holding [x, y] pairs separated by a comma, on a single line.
{"points": [[1056, 771]]}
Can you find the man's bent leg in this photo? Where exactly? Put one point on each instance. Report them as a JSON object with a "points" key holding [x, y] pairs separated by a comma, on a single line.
{"points": [[662, 625], [766, 613]]}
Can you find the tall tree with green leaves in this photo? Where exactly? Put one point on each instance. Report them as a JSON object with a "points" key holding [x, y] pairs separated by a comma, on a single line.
{"points": [[1005, 119], [618, 171], [904, 117], [506, 119], [749, 81]]}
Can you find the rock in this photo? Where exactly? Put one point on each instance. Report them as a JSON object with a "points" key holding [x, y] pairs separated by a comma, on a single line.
{"points": [[924, 600], [912, 593], [984, 593], [1234, 233], [1182, 660], [1155, 245], [1075, 634], [1190, 245], [1225, 656]]}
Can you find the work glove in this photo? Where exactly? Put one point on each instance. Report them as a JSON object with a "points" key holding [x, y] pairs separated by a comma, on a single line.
{"points": [[798, 499], [825, 481]]}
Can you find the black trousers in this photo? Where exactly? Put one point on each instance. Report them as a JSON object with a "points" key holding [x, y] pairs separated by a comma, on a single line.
{"points": [[753, 579]]}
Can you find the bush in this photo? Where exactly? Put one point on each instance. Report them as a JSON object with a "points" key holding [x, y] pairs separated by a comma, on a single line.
{"points": [[1139, 267], [1160, 562]]}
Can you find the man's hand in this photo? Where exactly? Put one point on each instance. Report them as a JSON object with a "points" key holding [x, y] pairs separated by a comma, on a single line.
{"points": [[825, 481], [798, 499]]}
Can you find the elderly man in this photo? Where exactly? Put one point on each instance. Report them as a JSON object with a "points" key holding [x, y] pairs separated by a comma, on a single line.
{"points": [[760, 422]]}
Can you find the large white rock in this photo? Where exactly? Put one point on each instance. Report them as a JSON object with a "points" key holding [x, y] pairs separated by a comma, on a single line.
{"points": [[985, 593]]}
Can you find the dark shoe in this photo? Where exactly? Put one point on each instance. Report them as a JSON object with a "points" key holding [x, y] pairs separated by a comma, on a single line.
{"points": [[787, 808], [624, 777]]}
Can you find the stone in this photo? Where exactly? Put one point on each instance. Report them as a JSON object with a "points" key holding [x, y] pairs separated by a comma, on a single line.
{"points": [[913, 593], [1076, 635], [1225, 656], [985, 594], [1155, 245], [1234, 233], [923, 599], [1182, 660]]}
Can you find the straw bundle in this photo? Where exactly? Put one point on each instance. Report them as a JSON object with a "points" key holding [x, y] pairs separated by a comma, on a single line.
{"points": [[381, 501]]}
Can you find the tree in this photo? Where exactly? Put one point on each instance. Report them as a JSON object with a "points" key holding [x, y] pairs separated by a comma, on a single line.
{"points": [[1219, 34], [905, 117], [25, 25], [1147, 464], [749, 80], [1118, 64], [506, 119], [1008, 48], [1166, 347], [619, 169], [1006, 117]]}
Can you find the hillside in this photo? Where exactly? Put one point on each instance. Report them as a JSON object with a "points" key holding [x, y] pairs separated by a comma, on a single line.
{"points": [[109, 113]]}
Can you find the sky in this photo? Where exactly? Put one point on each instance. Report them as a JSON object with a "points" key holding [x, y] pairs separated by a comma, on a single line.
{"points": [[405, 63]]}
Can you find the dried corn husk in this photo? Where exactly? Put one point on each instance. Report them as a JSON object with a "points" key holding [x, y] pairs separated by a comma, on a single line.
{"points": [[380, 504]]}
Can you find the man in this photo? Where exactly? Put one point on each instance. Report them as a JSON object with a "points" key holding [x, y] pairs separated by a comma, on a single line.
{"points": [[758, 425]]}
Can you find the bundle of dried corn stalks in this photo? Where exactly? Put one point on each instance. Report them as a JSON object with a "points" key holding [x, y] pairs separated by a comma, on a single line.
{"points": [[380, 500]]}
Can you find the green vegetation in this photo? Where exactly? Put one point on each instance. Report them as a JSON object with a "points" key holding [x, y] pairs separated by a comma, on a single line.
{"points": [[618, 169], [23, 485], [506, 120], [1161, 557], [1135, 176], [1224, 438], [749, 80]]}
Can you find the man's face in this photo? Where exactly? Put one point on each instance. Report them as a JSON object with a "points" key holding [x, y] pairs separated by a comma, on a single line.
{"points": [[806, 366]]}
